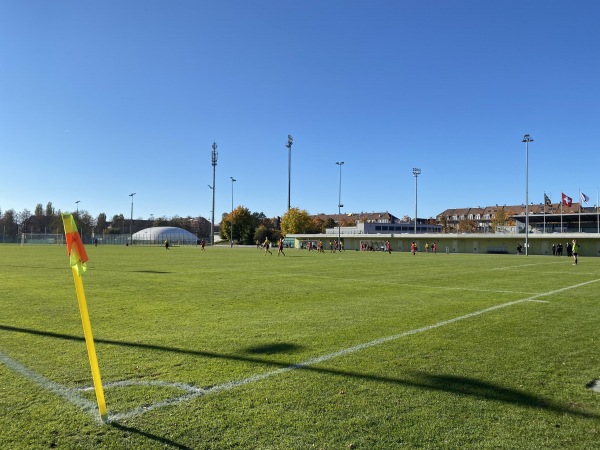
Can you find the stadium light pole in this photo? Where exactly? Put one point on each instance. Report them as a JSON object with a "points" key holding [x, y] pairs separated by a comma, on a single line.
{"points": [[131, 220], [289, 144], [416, 172], [214, 156], [233, 180], [527, 139], [340, 163]]}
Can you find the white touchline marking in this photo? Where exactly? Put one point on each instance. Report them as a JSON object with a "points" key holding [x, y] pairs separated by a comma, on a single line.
{"points": [[525, 265], [193, 392], [327, 357], [68, 394]]}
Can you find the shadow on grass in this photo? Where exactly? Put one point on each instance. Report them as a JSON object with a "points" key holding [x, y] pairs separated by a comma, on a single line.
{"points": [[480, 389], [150, 271], [162, 440], [420, 380], [279, 347]]}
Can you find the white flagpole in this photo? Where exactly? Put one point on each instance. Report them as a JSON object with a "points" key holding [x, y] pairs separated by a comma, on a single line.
{"points": [[580, 210], [561, 204], [597, 211], [544, 213]]}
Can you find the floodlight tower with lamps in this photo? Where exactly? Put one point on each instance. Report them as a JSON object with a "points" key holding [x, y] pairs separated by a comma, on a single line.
{"points": [[289, 144], [233, 180], [131, 220], [416, 172], [340, 163], [527, 139], [214, 156]]}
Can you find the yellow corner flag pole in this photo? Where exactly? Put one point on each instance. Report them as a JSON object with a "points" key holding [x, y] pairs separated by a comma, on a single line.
{"points": [[78, 258]]}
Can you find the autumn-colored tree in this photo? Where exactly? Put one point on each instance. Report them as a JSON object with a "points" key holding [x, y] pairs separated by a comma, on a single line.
{"points": [[329, 223], [318, 225], [445, 226], [500, 219], [508, 221], [467, 226], [262, 232], [295, 221], [243, 226], [345, 222]]}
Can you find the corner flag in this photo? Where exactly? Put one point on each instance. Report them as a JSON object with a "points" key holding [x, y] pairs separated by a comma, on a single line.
{"points": [[77, 260]]}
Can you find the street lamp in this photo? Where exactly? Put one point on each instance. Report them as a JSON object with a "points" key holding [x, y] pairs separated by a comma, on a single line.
{"points": [[289, 147], [416, 172], [527, 139], [131, 220], [77, 203], [233, 180], [340, 163], [214, 156]]}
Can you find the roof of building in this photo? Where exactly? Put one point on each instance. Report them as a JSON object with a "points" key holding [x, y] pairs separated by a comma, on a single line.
{"points": [[383, 217], [513, 210]]}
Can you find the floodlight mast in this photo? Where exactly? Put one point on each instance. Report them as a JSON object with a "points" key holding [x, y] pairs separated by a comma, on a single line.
{"points": [[289, 144], [131, 220], [527, 139], [214, 157], [416, 172]]}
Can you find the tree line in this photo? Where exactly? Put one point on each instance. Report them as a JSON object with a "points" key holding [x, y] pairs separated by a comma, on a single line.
{"points": [[244, 227], [248, 227], [48, 220]]}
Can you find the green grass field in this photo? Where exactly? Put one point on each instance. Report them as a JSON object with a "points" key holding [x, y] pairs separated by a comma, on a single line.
{"points": [[231, 349]]}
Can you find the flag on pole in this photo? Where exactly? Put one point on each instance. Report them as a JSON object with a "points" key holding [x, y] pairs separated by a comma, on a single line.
{"points": [[584, 198], [77, 259], [547, 200], [75, 249], [566, 200]]}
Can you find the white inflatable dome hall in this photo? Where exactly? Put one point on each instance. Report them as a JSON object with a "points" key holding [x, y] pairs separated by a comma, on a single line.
{"points": [[159, 234]]}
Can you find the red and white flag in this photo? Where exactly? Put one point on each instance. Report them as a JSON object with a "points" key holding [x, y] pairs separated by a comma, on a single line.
{"points": [[567, 201]]}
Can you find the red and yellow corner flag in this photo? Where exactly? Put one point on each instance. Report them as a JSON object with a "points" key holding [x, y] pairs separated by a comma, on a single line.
{"points": [[77, 255], [78, 258]]}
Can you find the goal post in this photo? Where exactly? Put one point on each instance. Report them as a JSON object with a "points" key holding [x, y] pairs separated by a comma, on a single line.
{"points": [[42, 238]]}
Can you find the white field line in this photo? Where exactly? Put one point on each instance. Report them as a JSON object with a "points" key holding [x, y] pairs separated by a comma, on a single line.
{"points": [[525, 265], [193, 392], [329, 356], [71, 395], [449, 288]]}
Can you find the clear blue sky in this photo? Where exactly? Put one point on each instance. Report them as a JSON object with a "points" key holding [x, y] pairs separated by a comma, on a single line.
{"points": [[99, 99]]}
